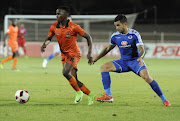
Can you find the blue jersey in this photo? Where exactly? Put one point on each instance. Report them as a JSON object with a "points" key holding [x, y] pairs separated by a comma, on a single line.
{"points": [[127, 44]]}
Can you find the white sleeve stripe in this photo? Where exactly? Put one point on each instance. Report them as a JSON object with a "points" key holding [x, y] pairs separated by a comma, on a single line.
{"points": [[111, 43], [138, 37], [139, 44]]}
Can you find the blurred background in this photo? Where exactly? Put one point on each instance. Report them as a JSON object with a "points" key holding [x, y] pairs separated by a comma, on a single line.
{"points": [[157, 21]]}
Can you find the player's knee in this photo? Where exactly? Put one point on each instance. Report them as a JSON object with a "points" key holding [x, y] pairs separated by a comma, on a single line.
{"points": [[148, 79], [104, 68], [66, 73], [15, 54], [56, 54]]}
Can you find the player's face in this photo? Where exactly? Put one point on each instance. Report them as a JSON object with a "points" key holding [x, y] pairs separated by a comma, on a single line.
{"points": [[61, 15], [14, 22], [22, 25], [119, 26]]}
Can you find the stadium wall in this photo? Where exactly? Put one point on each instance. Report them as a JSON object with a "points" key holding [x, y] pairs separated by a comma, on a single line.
{"points": [[153, 50]]}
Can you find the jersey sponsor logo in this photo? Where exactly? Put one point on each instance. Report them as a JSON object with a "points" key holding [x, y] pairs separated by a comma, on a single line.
{"points": [[124, 44], [57, 33], [117, 37]]}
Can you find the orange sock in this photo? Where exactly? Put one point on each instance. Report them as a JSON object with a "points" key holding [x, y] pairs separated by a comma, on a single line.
{"points": [[85, 90], [74, 84], [7, 59], [15, 62]]}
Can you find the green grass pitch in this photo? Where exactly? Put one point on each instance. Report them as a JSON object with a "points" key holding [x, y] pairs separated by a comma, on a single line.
{"points": [[52, 98]]}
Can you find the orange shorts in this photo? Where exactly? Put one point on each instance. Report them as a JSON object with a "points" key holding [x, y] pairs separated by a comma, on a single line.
{"points": [[72, 60], [14, 46]]}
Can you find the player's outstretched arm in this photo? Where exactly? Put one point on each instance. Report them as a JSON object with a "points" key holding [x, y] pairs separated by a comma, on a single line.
{"points": [[89, 42], [103, 52], [46, 42]]}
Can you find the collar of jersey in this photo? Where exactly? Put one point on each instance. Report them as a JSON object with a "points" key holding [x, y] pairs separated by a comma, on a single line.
{"points": [[124, 34], [67, 24]]}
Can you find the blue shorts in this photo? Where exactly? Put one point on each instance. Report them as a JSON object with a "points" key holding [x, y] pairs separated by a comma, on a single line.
{"points": [[128, 65]]}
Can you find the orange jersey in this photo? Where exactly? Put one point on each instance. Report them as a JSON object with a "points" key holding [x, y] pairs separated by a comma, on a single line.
{"points": [[13, 33], [67, 37]]}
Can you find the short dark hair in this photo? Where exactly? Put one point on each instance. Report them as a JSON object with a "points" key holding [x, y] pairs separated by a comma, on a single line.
{"points": [[65, 8], [121, 17]]}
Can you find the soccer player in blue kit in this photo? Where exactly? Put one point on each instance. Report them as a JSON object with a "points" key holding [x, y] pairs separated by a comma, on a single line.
{"points": [[132, 52]]}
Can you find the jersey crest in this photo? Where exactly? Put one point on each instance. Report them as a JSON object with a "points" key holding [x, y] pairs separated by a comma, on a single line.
{"points": [[68, 34]]}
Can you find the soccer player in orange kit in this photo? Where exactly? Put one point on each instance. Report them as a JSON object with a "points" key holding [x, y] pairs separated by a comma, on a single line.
{"points": [[66, 33], [12, 32]]}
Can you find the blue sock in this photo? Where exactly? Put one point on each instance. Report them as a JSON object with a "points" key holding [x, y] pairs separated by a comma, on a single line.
{"points": [[154, 85], [108, 91], [163, 98], [50, 57], [106, 80]]}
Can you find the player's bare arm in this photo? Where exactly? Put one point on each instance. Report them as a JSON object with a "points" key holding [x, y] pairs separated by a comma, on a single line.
{"points": [[89, 42], [46, 42], [142, 54], [104, 52]]}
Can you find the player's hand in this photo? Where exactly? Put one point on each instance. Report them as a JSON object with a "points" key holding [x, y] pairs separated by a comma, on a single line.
{"points": [[90, 60], [89, 57], [140, 61], [93, 61], [43, 48]]}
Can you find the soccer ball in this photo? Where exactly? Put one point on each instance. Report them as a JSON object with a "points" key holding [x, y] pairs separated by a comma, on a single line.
{"points": [[22, 96]]}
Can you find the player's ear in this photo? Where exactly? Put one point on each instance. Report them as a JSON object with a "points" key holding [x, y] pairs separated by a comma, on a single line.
{"points": [[125, 23]]}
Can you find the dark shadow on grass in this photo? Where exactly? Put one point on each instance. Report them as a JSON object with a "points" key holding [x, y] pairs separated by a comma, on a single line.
{"points": [[47, 104], [30, 104], [10, 104]]}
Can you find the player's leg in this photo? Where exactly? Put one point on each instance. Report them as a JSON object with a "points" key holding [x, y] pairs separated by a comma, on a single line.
{"points": [[24, 48], [105, 69], [52, 56], [21, 43], [154, 85], [72, 81], [6, 60], [84, 89], [106, 80], [25, 52], [143, 72], [15, 57], [44, 64], [67, 74]]}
